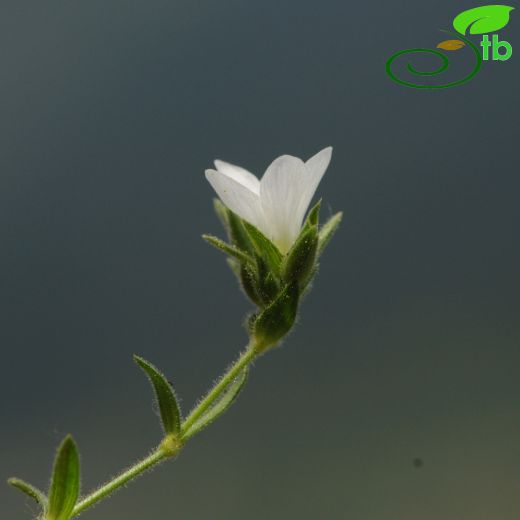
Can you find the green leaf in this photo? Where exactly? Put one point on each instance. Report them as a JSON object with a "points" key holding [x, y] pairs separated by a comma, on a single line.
{"points": [[64, 490], [168, 406], [228, 249], [264, 247], [226, 400], [30, 490], [482, 20], [327, 231], [278, 318], [301, 259]]}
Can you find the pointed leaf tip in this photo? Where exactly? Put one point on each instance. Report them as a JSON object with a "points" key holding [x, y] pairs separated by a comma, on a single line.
{"points": [[168, 405], [65, 483], [327, 231], [228, 249], [313, 216], [29, 490]]}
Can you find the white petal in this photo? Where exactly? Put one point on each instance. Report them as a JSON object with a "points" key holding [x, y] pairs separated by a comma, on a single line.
{"points": [[315, 169], [239, 174], [281, 191], [237, 197]]}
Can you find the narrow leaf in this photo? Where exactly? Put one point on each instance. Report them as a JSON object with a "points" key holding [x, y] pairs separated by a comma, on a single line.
{"points": [[30, 490], [168, 405], [327, 231], [482, 20], [227, 399], [64, 490], [264, 247], [228, 249]]}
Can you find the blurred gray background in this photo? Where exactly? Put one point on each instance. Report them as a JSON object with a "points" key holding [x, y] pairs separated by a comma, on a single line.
{"points": [[397, 397]]}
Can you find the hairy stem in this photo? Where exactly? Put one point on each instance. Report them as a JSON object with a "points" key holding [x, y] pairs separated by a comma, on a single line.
{"points": [[106, 489], [165, 451], [244, 360]]}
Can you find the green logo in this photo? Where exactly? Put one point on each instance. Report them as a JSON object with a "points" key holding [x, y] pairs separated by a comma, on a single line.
{"points": [[480, 20]]}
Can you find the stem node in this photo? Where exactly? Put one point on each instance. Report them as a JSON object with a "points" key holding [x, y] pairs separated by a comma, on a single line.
{"points": [[171, 445]]}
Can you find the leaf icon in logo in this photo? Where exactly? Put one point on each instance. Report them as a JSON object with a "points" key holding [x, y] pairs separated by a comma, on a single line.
{"points": [[482, 20], [451, 45]]}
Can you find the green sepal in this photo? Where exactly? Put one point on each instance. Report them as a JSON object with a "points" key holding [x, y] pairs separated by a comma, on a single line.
{"points": [[264, 247], [301, 259], [29, 490], [168, 405], [269, 288], [327, 231], [222, 213], [278, 318], [226, 400], [313, 217], [249, 282], [228, 249], [268, 284], [64, 490], [238, 234]]}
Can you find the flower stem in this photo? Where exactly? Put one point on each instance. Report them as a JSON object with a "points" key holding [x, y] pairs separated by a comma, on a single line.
{"points": [[163, 452], [106, 489]]}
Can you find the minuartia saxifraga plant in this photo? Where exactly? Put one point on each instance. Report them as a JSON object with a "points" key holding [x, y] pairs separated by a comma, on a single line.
{"points": [[273, 248]]}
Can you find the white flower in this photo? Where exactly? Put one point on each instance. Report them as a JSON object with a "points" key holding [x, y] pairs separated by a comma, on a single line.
{"points": [[277, 203]]}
